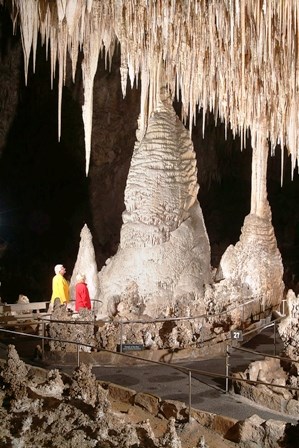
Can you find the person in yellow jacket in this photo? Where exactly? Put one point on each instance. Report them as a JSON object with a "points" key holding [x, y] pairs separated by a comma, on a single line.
{"points": [[60, 287]]}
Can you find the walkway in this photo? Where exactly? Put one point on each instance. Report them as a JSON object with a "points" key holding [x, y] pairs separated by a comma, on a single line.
{"points": [[207, 394]]}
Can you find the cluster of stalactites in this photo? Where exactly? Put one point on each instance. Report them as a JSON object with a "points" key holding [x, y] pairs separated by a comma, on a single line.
{"points": [[237, 58]]}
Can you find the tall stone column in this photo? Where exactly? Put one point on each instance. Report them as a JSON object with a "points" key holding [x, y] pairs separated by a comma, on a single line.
{"points": [[259, 201], [254, 264]]}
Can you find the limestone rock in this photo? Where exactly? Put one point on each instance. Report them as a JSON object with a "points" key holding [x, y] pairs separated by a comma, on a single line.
{"points": [[14, 373], [52, 387], [254, 263], [147, 401], [84, 385], [86, 264], [164, 249], [249, 433], [66, 329], [146, 435], [289, 327], [171, 439], [173, 409]]}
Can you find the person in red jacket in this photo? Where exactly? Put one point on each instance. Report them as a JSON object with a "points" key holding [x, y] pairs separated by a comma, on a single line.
{"points": [[82, 294]]}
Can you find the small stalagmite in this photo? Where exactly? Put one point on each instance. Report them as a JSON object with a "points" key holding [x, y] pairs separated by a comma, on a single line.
{"points": [[86, 264]]}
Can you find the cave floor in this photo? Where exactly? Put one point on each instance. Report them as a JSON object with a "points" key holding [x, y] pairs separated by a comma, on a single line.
{"points": [[167, 382]]}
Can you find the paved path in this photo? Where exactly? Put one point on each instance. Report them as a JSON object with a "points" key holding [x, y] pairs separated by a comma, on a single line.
{"points": [[207, 393]]}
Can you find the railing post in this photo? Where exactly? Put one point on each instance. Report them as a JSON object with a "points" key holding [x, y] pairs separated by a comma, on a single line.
{"points": [[190, 378], [227, 369], [121, 337], [283, 307], [274, 329], [43, 339], [78, 355]]}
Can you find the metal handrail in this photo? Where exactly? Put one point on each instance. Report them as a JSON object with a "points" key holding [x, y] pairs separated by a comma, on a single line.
{"points": [[166, 319], [281, 358], [48, 319]]}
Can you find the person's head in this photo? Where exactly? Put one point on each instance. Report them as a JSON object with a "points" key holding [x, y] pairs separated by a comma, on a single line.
{"points": [[59, 269], [80, 278]]}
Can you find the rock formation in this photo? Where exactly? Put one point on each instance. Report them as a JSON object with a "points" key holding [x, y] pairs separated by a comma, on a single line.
{"points": [[40, 408], [255, 432], [164, 254], [254, 263], [164, 220], [253, 266], [289, 327], [277, 378], [61, 411], [86, 264], [63, 328], [276, 387]]}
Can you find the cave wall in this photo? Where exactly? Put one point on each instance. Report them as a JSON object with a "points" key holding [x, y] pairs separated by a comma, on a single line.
{"points": [[45, 197]]}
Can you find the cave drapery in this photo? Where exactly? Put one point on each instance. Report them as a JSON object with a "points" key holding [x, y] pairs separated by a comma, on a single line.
{"points": [[235, 58]]}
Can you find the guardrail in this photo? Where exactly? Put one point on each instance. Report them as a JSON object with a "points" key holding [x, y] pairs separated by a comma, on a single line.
{"points": [[230, 347], [46, 319], [122, 323], [10, 314]]}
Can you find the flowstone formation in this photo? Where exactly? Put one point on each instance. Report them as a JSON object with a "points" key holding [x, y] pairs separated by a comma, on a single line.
{"points": [[164, 252], [253, 266]]}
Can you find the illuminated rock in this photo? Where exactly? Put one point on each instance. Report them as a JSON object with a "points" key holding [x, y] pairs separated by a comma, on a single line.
{"points": [[86, 264], [254, 263], [289, 327], [164, 253]]}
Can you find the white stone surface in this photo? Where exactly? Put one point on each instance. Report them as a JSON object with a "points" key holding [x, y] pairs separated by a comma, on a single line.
{"points": [[164, 252], [255, 263], [86, 264]]}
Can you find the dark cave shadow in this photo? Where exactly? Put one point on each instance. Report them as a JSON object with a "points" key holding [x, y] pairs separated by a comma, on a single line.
{"points": [[44, 189]]}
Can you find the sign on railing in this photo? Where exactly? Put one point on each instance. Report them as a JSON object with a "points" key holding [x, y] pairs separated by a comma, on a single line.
{"points": [[129, 347], [237, 335]]}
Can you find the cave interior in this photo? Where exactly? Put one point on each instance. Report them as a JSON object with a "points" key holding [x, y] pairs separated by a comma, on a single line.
{"points": [[46, 197]]}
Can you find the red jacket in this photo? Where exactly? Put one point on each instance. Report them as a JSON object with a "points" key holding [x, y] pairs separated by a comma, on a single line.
{"points": [[82, 297]]}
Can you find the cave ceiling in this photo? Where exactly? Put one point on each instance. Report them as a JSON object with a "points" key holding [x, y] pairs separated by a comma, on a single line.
{"points": [[237, 58]]}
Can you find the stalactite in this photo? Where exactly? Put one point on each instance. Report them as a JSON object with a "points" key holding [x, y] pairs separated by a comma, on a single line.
{"points": [[238, 58], [91, 47], [62, 52], [29, 25]]}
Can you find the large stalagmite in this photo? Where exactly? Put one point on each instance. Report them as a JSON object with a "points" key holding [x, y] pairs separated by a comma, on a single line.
{"points": [[163, 260]]}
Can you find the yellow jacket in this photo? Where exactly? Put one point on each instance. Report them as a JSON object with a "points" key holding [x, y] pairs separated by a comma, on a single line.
{"points": [[60, 289]]}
